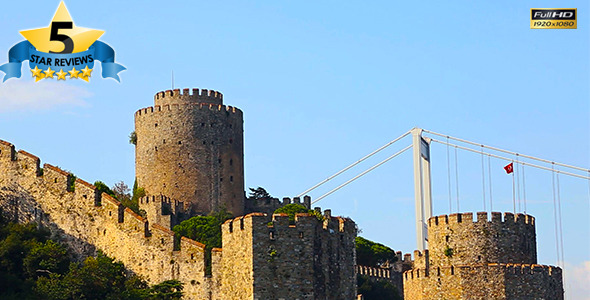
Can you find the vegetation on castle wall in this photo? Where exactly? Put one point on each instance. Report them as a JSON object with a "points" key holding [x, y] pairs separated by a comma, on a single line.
{"points": [[372, 254], [103, 188], [448, 252], [71, 182], [133, 138], [376, 290], [138, 192], [32, 266], [294, 208], [206, 230], [120, 191]]}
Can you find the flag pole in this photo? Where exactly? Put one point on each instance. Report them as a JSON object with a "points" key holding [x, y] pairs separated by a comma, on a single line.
{"points": [[513, 191]]}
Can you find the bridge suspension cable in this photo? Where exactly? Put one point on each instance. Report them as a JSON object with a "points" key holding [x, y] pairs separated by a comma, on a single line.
{"points": [[361, 174], [510, 152], [520, 162], [353, 164]]}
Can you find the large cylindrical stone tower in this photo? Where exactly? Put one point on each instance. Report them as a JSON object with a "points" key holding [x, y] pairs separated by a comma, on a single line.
{"points": [[190, 148]]}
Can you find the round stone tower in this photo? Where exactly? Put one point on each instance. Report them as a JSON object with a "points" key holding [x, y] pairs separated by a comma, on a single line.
{"points": [[458, 239], [481, 258], [190, 148]]}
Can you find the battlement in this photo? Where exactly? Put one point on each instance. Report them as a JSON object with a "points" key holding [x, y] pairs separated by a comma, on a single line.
{"points": [[463, 270], [188, 96], [99, 218], [482, 217], [378, 273], [484, 281], [269, 205], [459, 239], [176, 107]]}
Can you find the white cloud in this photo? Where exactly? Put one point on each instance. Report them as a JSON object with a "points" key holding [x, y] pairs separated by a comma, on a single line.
{"points": [[20, 95], [577, 281]]}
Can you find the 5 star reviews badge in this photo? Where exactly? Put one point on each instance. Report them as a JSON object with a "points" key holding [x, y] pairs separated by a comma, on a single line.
{"points": [[61, 51]]}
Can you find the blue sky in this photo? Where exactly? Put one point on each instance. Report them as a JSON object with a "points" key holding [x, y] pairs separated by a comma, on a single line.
{"points": [[323, 84]]}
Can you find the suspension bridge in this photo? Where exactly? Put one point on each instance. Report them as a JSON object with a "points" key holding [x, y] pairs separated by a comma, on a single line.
{"points": [[516, 165]]}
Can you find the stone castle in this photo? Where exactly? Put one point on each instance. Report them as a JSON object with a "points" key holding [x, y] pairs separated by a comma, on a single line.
{"points": [[189, 160]]}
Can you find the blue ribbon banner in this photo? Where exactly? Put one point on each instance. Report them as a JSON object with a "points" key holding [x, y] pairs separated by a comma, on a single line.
{"points": [[26, 51]]}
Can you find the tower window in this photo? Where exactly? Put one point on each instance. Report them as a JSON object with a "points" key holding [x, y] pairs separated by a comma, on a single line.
{"points": [[221, 179], [231, 141], [230, 126], [231, 178], [164, 141], [202, 124], [156, 125], [211, 142], [204, 143], [212, 124], [179, 142], [219, 160], [231, 162], [156, 148]]}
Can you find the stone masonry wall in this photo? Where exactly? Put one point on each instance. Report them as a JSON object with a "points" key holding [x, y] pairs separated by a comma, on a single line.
{"points": [[508, 240], [87, 221], [163, 210], [190, 148], [269, 205], [481, 259], [491, 281], [309, 259]]}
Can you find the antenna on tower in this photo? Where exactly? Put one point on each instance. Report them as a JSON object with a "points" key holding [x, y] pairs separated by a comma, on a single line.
{"points": [[172, 79]]}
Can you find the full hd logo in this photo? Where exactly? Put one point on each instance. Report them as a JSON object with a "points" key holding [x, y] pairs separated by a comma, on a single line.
{"points": [[554, 18], [62, 50]]}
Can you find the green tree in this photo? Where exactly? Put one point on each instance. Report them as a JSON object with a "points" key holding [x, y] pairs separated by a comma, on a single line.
{"points": [[46, 258], [258, 194], [167, 290], [206, 230], [34, 267], [103, 188], [376, 290], [16, 242], [369, 253]]}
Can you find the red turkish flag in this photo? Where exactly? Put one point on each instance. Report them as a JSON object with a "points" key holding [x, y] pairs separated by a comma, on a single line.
{"points": [[509, 168]]}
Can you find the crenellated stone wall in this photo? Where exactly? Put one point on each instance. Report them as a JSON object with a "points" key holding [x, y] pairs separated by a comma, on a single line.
{"points": [[269, 205], [86, 221], [307, 259], [458, 239], [485, 258], [313, 259]]}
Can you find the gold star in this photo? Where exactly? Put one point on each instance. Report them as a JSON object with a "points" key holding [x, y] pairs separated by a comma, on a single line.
{"points": [[49, 73], [81, 37], [61, 75], [74, 73], [36, 72], [86, 72]]}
